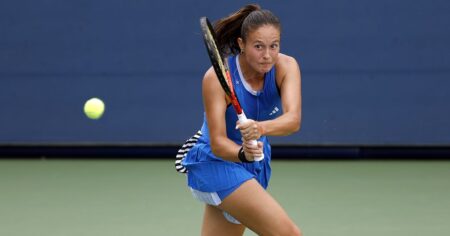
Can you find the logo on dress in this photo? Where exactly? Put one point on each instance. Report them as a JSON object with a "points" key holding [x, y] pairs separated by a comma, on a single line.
{"points": [[275, 110]]}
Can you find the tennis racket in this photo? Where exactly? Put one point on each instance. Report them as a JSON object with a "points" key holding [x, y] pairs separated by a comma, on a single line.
{"points": [[222, 71]]}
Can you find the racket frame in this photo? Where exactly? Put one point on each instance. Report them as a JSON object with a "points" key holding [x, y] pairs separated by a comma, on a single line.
{"points": [[222, 71]]}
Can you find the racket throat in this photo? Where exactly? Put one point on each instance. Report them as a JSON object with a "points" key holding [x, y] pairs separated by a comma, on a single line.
{"points": [[237, 107], [242, 117]]}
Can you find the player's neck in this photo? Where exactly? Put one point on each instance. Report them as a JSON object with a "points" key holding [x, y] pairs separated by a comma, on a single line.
{"points": [[251, 76]]}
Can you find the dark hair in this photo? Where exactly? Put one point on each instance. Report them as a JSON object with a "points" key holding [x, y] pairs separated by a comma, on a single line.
{"points": [[239, 24]]}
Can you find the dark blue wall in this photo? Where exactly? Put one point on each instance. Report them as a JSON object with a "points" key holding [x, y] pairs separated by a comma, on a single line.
{"points": [[374, 72]]}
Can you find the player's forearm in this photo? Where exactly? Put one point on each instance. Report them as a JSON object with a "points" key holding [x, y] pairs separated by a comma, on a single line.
{"points": [[225, 148], [284, 125]]}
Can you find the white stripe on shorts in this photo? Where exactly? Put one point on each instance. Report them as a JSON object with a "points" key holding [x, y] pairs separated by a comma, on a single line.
{"points": [[211, 198]]}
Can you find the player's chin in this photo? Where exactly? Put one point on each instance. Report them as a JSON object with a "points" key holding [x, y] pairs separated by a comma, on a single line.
{"points": [[265, 67]]}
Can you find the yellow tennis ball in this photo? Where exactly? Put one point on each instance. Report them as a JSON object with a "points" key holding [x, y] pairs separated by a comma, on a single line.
{"points": [[94, 108]]}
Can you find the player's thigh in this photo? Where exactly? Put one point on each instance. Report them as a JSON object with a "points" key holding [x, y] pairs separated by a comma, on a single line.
{"points": [[215, 224], [256, 209]]}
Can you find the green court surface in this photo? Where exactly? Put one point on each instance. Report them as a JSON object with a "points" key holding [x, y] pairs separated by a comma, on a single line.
{"points": [[147, 197]]}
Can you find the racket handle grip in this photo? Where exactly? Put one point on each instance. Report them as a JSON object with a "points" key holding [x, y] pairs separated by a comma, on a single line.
{"points": [[243, 118]]}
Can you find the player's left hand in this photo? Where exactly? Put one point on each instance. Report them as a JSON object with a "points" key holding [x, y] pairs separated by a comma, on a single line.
{"points": [[252, 151], [250, 129]]}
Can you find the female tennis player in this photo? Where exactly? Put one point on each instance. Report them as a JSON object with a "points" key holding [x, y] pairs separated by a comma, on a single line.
{"points": [[221, 169]]}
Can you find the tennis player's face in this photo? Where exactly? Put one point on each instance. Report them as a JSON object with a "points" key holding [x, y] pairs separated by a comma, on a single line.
{"points": [[261, 48]]}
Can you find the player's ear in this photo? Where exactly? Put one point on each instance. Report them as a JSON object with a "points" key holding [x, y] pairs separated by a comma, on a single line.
{"points": [[240, 43]]}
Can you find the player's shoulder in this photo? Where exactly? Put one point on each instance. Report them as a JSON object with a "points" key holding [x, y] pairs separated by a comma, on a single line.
{"points": [[286, 61], [286, 65], [210, 79], [210, 74]]}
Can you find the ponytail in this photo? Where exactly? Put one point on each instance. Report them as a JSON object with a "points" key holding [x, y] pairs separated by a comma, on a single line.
{"points": [[228, 29]]}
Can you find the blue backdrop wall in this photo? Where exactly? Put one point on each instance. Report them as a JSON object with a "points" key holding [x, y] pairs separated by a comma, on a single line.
{"points": [[374, 72]]}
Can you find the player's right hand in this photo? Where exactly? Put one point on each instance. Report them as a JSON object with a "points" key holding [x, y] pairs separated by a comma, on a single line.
{"points": [[250, 129]]}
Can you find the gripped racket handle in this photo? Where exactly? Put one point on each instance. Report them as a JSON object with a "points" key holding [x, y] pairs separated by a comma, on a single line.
{"points": [[242, 118]]}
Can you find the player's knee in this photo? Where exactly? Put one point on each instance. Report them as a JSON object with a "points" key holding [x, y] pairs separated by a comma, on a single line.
{"points": [[297, 231], [288, 229], [291, 230]]}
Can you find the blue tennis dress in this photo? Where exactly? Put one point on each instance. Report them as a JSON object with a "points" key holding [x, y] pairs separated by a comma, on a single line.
{"points": [[209, 173]]}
